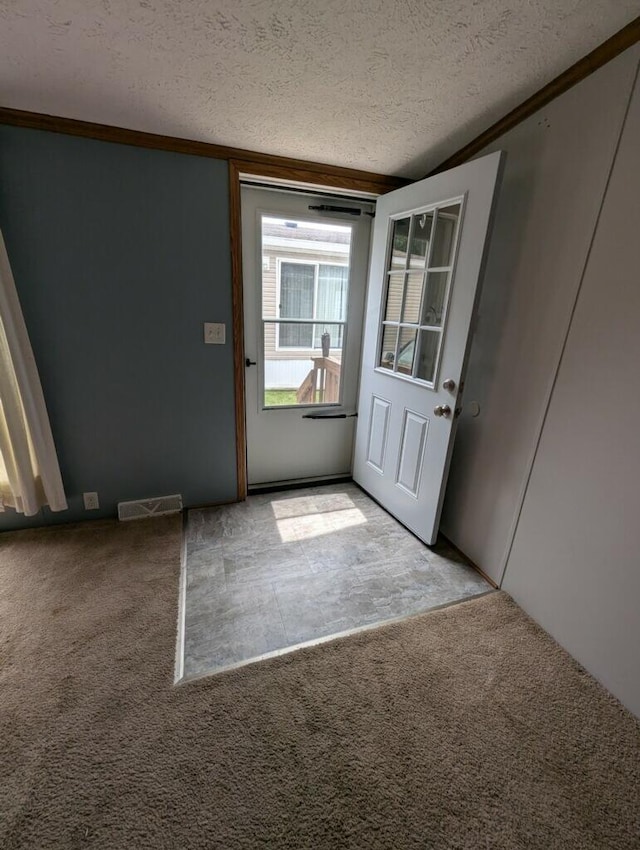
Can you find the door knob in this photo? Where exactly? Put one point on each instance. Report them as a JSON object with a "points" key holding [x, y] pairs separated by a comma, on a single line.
{"points": [[449, 384], [248, 362], [442, 410]]}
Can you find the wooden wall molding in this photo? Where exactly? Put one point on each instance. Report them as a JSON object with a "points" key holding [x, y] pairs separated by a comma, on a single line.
{"points": [[267, 162], [331, 175], [605, 52]]}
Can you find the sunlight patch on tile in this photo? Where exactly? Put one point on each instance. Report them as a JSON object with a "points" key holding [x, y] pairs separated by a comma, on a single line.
{"points": [[315, 525], [304, 505]]}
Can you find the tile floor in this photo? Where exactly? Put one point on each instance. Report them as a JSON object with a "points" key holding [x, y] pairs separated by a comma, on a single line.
{"points": [[287, 568]]}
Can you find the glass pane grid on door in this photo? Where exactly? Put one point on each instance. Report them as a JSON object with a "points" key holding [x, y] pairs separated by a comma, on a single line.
{"points": [[421, 257]]}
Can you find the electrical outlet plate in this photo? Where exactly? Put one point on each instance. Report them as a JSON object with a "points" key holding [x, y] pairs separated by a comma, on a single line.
{"points": [[214, 333], [91, 501]]}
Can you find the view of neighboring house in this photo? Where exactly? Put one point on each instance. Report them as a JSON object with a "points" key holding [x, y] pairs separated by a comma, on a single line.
{"points": [[305, 275]]}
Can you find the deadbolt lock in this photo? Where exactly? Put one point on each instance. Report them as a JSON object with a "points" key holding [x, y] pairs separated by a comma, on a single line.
{"points": [[449, 384], [442, 410]]}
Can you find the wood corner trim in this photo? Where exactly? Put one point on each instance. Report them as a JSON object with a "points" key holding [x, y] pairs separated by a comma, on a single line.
{"points": [[237, 321], [605, 52]]}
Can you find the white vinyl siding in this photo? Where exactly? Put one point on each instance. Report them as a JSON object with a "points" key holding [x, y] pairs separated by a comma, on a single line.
{"points": [[315, 291]]}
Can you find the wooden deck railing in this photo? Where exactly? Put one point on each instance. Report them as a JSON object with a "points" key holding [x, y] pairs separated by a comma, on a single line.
{"points": [[322, 384]]}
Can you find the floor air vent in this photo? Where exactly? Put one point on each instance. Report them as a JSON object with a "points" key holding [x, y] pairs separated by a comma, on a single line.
{"points": [[145, 508]]}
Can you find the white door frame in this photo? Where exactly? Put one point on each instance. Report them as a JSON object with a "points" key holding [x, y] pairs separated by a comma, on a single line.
{"points": [[332, 440], [346, 182]]}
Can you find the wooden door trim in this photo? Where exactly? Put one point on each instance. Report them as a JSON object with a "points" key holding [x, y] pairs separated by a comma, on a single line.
{"points": [[316, 176], [237, 321]]}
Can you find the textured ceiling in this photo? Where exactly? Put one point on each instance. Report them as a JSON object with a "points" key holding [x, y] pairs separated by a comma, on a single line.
{"points": [[392, 86]]}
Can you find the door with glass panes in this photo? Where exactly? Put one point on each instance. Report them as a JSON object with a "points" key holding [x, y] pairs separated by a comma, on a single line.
{"points": [[427, 256], [304, 279]]}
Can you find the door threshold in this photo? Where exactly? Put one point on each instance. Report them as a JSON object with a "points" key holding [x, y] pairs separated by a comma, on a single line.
{"points": [[297, 483]]}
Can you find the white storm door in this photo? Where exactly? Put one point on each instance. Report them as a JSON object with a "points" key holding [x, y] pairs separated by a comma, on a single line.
{"points": [[426, 263], [304, 269]]}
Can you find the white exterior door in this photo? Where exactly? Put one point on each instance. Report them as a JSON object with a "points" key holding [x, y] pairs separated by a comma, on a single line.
{"points": [[304, 279], [427, 258]]}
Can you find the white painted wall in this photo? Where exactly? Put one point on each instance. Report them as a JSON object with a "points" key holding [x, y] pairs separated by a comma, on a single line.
{"points": [[575, 563], [557, 166]]}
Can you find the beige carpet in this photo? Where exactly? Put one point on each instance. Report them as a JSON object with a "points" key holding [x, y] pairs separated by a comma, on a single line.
{"points": [[463, 728]]}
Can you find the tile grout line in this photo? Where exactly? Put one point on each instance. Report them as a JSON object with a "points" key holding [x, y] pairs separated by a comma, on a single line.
{"points": [[275, 596]]}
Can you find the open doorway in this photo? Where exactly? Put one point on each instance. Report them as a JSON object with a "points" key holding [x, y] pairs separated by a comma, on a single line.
{"points": [[282, 570], [304, 279]]}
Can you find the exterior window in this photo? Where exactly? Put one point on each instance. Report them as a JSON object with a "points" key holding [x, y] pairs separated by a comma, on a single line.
{"points": [[315, 291], [305, 293]]}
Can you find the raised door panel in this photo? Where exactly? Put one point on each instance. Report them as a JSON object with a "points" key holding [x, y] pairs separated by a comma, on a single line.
{"points": [[412, 445], [378, 433]]}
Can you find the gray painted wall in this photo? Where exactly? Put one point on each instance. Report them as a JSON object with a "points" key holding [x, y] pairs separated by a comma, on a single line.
{"points": [[119, 255], [562, 232], [557, 165], [574, 564]]}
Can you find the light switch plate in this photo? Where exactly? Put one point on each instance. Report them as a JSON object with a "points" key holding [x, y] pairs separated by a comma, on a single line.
{"points": [[214, 333]]}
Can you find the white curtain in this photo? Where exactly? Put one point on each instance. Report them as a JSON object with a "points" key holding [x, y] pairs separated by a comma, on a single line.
{"points": [[29, 471], [296, 302], [333, 283]]}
